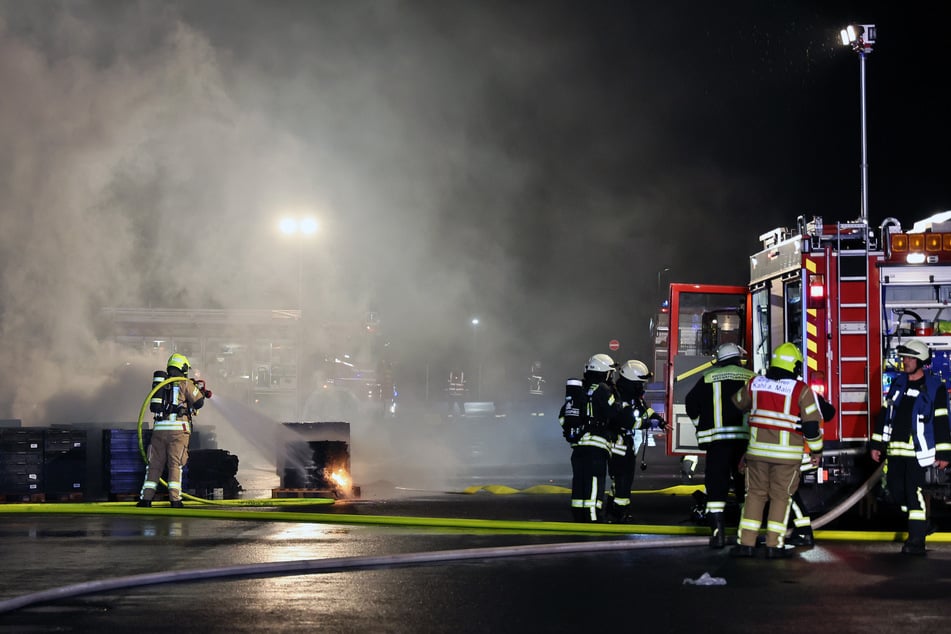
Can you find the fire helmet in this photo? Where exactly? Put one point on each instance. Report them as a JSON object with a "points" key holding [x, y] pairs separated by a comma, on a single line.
{"points": [[786, 357], [180, 362], [915, 348], [727, 351], [599, 363], [634, 370]]}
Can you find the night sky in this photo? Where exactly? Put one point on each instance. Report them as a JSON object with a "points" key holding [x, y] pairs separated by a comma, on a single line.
{"points": [[538, 164]]}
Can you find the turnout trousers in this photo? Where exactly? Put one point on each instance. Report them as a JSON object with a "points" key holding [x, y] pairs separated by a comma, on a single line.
{"points": [[773, 482], [169, 448], [589, 466], [722, 471]]}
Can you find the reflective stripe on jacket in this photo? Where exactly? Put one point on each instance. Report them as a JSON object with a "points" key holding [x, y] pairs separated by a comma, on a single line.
{"points": [[709, 407], [779, 409], [930, 437]]}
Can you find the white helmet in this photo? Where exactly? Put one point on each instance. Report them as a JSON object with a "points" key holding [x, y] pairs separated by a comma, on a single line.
{"points": [[916, 349], [729, 351], [635, 371], [599, 363]]}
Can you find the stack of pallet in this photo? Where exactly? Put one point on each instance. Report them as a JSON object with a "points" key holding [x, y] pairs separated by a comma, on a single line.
{"points": [[21, 465]]}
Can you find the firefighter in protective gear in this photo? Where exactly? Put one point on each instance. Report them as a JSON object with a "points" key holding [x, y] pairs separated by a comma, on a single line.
{"points": [[632, 423], [171, 432], [784, 418], [722, 430], [913, 431], [587, 425]]}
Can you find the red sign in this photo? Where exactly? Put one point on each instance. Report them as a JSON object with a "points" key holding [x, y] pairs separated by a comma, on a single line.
{"points": [[614, 345]]}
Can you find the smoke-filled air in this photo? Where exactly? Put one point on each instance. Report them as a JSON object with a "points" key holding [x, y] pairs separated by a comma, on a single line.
{"points": [[519, 164]]}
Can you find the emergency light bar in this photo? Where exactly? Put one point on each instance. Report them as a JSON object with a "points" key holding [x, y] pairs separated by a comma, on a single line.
{"points": [[920, 248]]}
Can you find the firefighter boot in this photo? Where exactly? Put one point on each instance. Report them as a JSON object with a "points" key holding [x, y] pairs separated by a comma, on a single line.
{"points": [[802, 537], [144, 504], [177, 504], [915, 544], [718, 538]]}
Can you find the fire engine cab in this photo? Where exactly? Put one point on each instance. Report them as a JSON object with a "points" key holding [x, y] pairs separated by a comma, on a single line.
{"points": [[847, 296]]}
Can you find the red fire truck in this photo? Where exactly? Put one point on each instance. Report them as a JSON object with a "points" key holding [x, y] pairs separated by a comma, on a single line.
{"points": [[847, 295]]}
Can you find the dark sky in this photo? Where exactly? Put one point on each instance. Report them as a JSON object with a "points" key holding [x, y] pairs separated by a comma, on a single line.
{"points": [[534, 163]]}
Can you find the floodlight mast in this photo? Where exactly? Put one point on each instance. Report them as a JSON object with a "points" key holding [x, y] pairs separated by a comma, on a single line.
{"points": [[861, 37]]}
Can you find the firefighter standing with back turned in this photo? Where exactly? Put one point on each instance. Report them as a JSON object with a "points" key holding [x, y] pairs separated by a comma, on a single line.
{"points": [[586, 421], [176, 404], [913, 431], [722, 430], [632, 421], [784, 417]]}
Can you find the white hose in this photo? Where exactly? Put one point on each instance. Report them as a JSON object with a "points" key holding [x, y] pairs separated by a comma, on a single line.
{"points": [[850, 501], [337, 564]]}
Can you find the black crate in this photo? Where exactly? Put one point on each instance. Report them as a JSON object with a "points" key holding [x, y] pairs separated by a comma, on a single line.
{"points": [[64, 439], [22, 439], [65, 471]]}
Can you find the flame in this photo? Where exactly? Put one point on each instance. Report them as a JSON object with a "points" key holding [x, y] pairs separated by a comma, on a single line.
{"points": [[341, 479]]}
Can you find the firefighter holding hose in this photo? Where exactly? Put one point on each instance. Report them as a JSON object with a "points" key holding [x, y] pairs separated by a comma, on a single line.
{"points": [[174, 406]]}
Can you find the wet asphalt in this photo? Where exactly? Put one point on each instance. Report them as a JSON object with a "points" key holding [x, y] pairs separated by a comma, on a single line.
{"points": [[394, 583]]}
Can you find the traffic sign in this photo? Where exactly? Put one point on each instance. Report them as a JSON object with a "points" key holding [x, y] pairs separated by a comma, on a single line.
{"points": [[614, 345]]}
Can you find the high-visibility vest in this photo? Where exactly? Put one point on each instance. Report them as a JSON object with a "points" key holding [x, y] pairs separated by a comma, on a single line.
{"points": [[775, 420]]}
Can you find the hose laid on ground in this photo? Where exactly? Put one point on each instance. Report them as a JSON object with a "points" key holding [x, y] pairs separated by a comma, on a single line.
{"points": [[186, 496], [336, 564], [852, 500]]}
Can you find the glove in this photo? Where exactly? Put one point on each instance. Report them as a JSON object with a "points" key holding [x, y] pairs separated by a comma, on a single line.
{"points": [[182, 410], [657, 422], [572, 434]]}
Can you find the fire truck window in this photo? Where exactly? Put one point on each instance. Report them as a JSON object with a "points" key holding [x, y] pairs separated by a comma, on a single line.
{"points": [[706, 320], [794, 312]]}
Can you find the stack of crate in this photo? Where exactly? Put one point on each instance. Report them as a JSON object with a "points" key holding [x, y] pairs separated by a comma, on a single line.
{"points": [[64, 460], [124, 468], [21, 464], [210, 474]]}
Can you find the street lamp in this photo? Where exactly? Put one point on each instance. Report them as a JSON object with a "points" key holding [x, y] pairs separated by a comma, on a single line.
{"points": [[299, 228], [861, 37], [476, 356]]}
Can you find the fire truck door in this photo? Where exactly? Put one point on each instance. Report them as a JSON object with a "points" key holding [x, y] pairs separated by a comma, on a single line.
{"points": [[701, 318]]}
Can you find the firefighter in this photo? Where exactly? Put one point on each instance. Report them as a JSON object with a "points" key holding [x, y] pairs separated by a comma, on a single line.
{"points": [[586, 418], [632, 423], [784, 418], [171, 432], [914, 433], [722, 430]]}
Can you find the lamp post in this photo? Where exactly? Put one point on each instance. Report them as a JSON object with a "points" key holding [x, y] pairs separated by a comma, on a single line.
{"points": [[476, 357], [860, 38], [299, 228]]}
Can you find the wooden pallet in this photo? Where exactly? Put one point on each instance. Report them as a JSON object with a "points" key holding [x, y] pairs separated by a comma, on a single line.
{"points": [[65, 496], [20, 498], [303, 493], [314, 493]]}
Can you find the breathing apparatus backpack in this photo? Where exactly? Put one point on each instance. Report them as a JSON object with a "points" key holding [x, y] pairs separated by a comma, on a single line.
{"points": [[574, 416], [158, 403]]}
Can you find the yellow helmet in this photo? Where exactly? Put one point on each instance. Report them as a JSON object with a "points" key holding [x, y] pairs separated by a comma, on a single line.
{"points": [[179, 361], [786, 357]]}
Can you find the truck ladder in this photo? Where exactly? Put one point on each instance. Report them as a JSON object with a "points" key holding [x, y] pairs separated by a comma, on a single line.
{"points": [[853, 341]]}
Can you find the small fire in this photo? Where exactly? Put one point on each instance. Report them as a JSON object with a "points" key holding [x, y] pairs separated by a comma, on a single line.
{"points": [[341, 479]]}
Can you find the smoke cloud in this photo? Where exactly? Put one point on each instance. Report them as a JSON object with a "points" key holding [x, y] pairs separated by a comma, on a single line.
{"points": [[537, 166]]}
